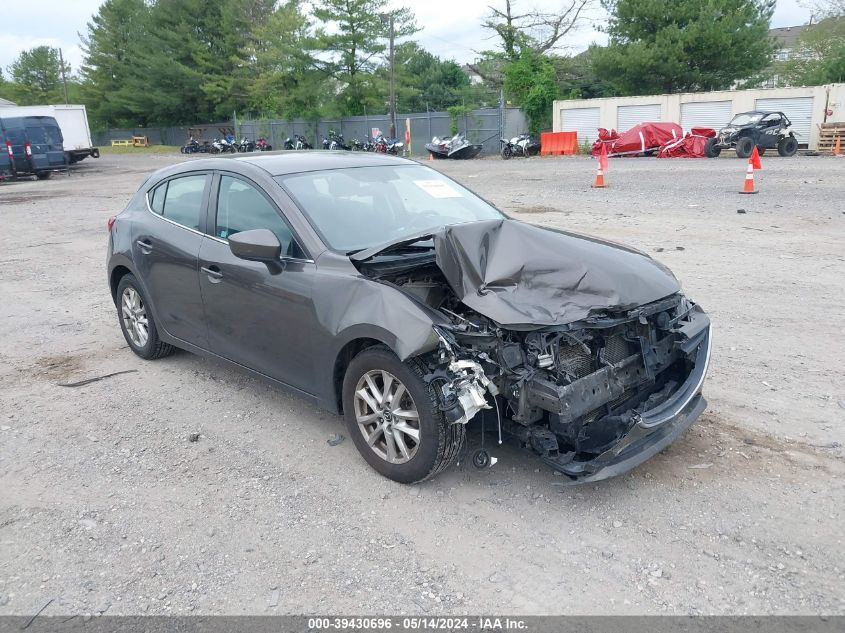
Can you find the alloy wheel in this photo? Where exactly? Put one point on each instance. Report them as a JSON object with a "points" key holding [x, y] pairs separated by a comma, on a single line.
{"points": [[134, 315], [387, 416]]}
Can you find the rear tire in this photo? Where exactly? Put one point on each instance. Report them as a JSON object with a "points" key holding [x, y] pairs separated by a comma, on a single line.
{"points": [[787, 146], [744, 147], [437, 442], [43, 175], [137, 322], [711, 149]]}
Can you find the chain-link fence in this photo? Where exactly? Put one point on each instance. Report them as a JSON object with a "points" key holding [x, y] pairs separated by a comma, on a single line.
{"points": [[485, 126]]}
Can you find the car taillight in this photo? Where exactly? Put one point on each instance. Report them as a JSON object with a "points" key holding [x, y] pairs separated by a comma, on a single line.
{"points": [[9, 149], [110, 222], [28, 149]]}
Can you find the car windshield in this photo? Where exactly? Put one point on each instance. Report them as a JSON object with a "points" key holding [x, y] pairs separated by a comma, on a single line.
{"points": [[358, 208], [746, 118]]}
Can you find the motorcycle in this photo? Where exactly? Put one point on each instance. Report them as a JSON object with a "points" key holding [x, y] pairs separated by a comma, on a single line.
{"points": [[245, 145], [191, 147], [358, 146], [522, 145], [262, 145], [388, 146], [300, 142], [335, 141]]}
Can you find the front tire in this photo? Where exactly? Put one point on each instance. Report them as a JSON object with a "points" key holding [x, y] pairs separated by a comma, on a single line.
{"points": [[711, 149], [136, 321], [787, 146], [744, 147], [506, 152], [395, 419]]}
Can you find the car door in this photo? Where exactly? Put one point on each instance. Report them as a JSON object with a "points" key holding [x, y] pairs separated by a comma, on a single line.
{"points": [[165, 247], [258, 315]]}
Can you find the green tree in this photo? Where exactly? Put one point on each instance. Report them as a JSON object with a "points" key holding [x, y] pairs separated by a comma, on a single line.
{"points": [[424, 81], [531, 82], [351, 43], [37, 77], [111, 44], [284, 81], [684, 45], [819, 55]]}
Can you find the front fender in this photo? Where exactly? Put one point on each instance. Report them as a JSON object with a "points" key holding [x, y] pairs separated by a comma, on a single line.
{"points": [[366, 308]]}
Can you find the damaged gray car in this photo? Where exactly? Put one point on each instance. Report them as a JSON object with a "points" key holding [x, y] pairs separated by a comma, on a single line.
{"points": [[380, 289]]}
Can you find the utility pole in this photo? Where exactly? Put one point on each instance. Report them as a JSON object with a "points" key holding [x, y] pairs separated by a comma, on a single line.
{"points": [[64, 78], [389, 19], [392, 80]]}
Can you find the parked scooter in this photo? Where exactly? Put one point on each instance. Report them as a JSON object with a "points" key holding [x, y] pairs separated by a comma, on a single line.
{"points": [[522, 145]]}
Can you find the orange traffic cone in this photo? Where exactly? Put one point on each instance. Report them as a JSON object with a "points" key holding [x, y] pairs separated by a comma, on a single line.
{"points": [[599, 184], [430, 156], [755, 159], [749, 179], [837, 149]]}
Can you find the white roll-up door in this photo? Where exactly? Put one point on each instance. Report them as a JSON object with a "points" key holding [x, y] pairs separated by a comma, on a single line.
{"points": [[713, 114], [584, 121], [799, 110], [628, 116]]}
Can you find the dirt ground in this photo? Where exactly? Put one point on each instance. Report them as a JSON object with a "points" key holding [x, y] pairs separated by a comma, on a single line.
{"points": [[105, 506]]}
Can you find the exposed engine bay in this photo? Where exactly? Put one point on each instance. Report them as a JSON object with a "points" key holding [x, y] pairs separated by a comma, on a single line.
{"points": [[587, 352], [570, 393]]}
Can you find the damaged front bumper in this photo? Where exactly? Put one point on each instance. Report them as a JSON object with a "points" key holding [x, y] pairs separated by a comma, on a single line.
{"points": [[657, 427]]}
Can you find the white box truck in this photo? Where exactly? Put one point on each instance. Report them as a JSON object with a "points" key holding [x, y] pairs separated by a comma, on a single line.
{"points": [[73, 121]]}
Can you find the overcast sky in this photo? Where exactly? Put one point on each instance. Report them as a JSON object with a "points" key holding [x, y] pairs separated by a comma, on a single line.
{"points": [[450, 27]]}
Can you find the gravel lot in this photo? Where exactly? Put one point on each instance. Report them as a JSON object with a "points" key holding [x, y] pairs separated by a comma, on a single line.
{"points": [[105, 506]]}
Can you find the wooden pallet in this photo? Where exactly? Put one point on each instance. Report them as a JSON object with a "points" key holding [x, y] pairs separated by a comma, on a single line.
{"points": [[828, 133]]}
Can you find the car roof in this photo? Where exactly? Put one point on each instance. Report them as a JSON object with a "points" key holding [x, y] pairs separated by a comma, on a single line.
{"points": [[758, 112], [292, 162]]}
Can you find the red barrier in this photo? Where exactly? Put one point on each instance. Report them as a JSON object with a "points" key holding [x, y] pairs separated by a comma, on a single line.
{"points": [[558, 143]]}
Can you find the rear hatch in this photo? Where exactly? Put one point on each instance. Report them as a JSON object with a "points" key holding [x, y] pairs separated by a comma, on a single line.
{"points": [[15, 144], [5, 156], [45, 140]]}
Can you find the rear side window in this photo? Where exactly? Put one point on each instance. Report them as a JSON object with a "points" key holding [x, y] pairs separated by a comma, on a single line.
{"points": [[180, 200]]}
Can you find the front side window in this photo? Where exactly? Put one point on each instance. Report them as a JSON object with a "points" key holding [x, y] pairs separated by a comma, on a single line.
{"points": [[242, 207], [180, 200]]}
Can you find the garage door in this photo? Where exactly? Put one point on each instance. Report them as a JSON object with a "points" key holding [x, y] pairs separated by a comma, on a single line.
{"points": [[799, 110], [713, 114], [584, 121], [628, 116]]}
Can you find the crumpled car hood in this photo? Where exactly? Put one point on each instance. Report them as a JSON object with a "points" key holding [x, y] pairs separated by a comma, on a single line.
{"points": [[522, 276]]}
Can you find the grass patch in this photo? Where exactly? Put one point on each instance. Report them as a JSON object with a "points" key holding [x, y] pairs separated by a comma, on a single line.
{"points": [[152, 149]]}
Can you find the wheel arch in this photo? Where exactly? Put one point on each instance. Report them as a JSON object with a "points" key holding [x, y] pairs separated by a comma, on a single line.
{"points": [[117, 273], [344, 356]]}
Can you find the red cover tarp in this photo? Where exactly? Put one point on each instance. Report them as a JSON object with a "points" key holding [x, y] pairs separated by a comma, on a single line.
{"points": [[640, 139], [691, 146]]}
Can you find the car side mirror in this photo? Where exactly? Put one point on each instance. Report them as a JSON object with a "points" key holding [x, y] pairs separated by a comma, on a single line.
{"points": [[259, 245]]}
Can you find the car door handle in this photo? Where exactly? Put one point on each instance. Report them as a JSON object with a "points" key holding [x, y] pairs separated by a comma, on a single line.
{"points": [[214, 274], [145, 246]]}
